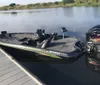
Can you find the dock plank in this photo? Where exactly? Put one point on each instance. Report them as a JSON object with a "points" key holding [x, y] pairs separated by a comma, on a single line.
{"points": [[8, 71], [13, 79], [10, 76], [6, 67], [12, 73], [5, 64], [23, 79], [30, 83]]}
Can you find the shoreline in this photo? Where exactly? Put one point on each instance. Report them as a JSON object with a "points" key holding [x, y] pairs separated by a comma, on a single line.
{"points": [[31, 6]]}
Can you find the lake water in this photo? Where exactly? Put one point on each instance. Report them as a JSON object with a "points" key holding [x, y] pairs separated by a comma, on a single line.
{"points": [[77, 20]]}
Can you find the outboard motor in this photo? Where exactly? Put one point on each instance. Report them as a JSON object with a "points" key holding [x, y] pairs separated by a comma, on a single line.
{"points": [[63, 30]]}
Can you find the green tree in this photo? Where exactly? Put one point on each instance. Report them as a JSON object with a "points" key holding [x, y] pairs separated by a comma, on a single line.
{"points": [[56, 2], [36, 4], [85, 1], [78, 1], [95, 1], [67, 1], [29, 5], [44, 4], [12, 4], [50, 3]]}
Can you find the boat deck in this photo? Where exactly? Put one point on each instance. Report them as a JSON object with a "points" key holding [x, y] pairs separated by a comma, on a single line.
{"points": [[63, 45], [12, 73]]}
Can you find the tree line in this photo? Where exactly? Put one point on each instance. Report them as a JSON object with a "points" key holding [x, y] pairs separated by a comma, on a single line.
{"points": [[63, 3], [80, 1]]}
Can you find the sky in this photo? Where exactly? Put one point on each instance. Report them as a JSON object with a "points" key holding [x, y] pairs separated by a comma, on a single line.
{"points": [[7, 2]]}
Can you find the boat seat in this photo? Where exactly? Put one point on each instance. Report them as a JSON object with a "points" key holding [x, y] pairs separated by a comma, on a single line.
{"points": [[47, 42], [41, 33], [3, 34]]}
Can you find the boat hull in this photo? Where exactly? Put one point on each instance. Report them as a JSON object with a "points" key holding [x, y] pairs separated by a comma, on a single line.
{"points": [[27, 56]]}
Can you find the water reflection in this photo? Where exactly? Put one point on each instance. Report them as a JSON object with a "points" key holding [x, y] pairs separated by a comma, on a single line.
{"points": [[9, 13], [96, 12], [61, 74], [68, 12], [21, 12], [93, 64], [14, 13]]}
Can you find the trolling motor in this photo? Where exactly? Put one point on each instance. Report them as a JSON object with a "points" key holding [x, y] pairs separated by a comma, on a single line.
{"points": [[63, 30]]}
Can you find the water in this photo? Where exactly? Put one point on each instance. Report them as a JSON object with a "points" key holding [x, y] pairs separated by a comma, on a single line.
{"points": [[77, 20]]}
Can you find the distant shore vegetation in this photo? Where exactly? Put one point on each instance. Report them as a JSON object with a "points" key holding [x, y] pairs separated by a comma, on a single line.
{"points": [[63, 3]]}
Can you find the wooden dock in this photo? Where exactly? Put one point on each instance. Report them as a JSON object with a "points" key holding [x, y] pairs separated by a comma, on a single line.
{"points": [[12, 73]]}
